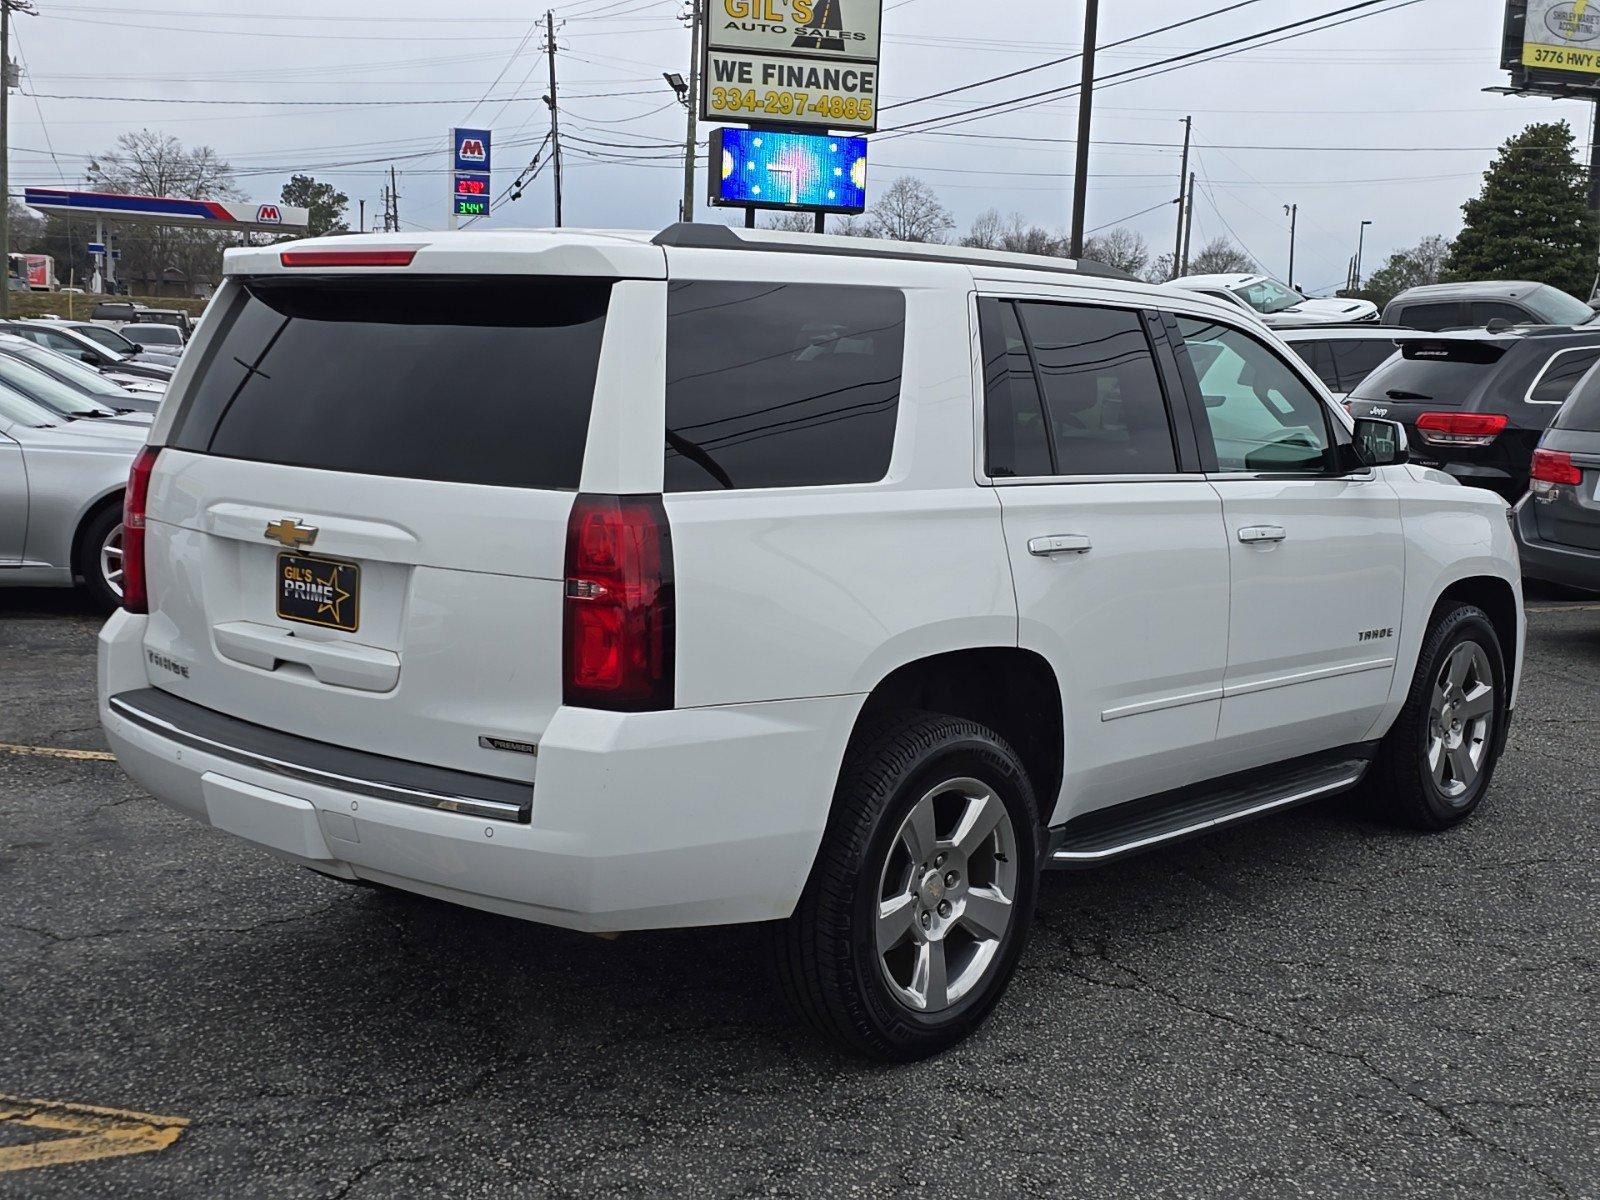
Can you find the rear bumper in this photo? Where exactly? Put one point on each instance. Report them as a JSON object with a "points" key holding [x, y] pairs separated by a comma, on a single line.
{"points": [[638, 820], [1565, 565]]}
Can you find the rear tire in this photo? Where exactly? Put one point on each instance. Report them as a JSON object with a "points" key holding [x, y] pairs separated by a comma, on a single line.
{"points": [[100, 558], [919, 903], [1435, 765]]}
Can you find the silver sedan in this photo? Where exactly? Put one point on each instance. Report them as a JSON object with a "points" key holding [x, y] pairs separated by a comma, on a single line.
{"points": [[61, 485]]}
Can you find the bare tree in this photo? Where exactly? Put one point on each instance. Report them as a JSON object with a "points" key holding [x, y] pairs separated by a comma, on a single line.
{"points": [[989, 231], [146, 163], [1221, 257], [1161, 270], [1121, 248], [908, 211], [790, 222]]}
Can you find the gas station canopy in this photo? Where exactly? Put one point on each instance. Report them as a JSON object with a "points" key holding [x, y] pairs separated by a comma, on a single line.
{"points": [[169, 210]]}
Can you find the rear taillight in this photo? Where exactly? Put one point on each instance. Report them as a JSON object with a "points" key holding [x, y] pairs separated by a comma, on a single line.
{"points": [[1460, 428], [618, 619], [135, 593], [1553, 469]]}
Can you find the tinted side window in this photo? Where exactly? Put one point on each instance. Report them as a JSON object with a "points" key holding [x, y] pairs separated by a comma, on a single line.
{"points": [[1355, 358], [1433, 317], [1582, 410], [1319, 357], [1565, 369], [1484, 311], [1262, 416], [1013, 415], [781, 384], [1105, 408]]}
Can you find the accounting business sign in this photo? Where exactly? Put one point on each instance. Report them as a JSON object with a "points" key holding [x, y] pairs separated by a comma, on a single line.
{"points": [[792, 62], [1562, 35]]}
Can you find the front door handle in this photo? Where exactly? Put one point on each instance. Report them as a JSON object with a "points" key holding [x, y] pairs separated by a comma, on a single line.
{"points": [[1060, 543], [1262, 533]]}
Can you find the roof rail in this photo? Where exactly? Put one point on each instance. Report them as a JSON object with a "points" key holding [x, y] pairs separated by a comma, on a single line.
{"points": [[720, 237]]}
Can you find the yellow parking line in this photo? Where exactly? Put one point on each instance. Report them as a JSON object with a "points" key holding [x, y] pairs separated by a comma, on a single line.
{"points": [[98, 1132], [58, 752]]}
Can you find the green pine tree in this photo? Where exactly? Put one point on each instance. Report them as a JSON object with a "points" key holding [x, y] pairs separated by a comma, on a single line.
{"points": [[1532, 220]]}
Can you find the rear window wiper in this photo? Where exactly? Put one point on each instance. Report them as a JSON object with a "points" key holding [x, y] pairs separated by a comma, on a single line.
{"points": [[1402, 394]]}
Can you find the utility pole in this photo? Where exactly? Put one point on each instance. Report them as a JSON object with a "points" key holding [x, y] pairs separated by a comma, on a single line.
{"points": [[1292, 211], [691, 133], [554, 101], [1080, 182], [1183, 181], [5, 154], [1188, 226], [361, 221], [394, 199]]}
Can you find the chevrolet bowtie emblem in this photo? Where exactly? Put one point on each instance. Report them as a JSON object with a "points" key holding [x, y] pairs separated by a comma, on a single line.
{"points": [[291, 533]]}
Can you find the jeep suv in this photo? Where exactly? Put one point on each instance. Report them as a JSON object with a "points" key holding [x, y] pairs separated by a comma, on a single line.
{"points": [[1475, 404], [624, 582]]}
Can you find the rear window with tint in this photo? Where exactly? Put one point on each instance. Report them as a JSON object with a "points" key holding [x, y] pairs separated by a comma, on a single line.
{"points": [[1433, 316], [1419, 380], [781, 384], [1565, 369], [1582, 411], [483, 380]]}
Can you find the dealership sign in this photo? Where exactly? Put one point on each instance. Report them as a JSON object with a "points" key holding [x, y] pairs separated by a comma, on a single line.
{"points": [[767, 168], [792, 62]]}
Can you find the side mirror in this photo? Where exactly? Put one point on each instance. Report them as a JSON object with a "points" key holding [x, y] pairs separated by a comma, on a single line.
{"points": [[1381, 443]]}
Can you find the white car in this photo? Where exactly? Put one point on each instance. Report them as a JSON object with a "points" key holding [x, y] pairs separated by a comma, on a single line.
{"points": [[1343, 355], [1276, 303], [626, 582]]}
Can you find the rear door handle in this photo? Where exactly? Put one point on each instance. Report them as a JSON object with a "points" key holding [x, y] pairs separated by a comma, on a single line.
{"points": [[1060, 543], [1262, 533]]}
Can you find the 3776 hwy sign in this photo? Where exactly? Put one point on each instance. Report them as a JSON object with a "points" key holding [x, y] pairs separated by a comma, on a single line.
{"points": [[792, 62]]}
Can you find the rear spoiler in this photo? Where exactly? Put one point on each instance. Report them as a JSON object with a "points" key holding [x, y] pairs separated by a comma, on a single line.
{"points": [[1461, 350]]}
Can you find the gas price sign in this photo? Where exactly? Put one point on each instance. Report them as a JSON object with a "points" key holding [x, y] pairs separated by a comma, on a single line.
{"points": [[763, 168], [471, 194]]}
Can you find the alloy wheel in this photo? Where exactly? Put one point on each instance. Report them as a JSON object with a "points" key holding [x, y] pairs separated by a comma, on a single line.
{"points": [[111, 561], [946, 895], [1460, 720]]}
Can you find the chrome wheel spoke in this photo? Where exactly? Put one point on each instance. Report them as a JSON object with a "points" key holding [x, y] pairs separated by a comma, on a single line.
{"points": [[1459, 665], [917, 833], [977, 823], [987, 914], [1462, 769], [1479, 703], [929, 983], [897, 919]]}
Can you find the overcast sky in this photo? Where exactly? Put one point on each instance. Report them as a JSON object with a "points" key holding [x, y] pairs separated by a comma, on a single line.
{"points": [[1386, 117]]}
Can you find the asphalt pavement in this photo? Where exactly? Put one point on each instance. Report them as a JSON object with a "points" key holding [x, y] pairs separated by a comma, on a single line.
{"points": [[1311, 1005]]}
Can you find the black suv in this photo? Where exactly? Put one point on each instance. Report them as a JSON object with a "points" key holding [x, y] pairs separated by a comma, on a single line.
{"points": [[1436, 306], [1475, 404], [1558, 521]]}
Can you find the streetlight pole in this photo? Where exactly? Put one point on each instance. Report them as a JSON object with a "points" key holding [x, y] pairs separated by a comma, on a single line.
{"points": [[1361, 245], [1080, 182]]}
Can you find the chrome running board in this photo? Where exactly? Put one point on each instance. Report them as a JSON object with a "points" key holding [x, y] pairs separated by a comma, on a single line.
{"points": [[1099, 837]]}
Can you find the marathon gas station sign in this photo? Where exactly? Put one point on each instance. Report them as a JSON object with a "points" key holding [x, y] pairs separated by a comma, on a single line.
{"points": [[792, 62], [469, 173], [169, 210]]}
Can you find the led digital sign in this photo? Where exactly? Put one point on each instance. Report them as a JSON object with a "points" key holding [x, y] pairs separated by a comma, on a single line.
{"points": [[472, 185], [468, 206], [813, 172]]}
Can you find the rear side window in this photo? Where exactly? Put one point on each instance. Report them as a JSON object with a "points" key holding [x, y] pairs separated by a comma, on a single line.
{"points": [[1104, 405], [1565, 369], [1319, 357], [1014, 427], [1582, 410], [781, 384], [1484, 311], [483, 380], [1433, 317]]}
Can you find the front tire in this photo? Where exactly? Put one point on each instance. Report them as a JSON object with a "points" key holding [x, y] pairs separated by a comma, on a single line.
{"points": [[1437, 761], [919, 903]]}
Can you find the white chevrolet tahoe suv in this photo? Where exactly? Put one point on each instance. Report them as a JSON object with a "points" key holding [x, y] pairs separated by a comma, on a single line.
{"points": [[626, 582]]}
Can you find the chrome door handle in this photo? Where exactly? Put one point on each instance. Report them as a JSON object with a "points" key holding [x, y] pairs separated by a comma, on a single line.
{"points": [[1060, 543], [1262, 533]]}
